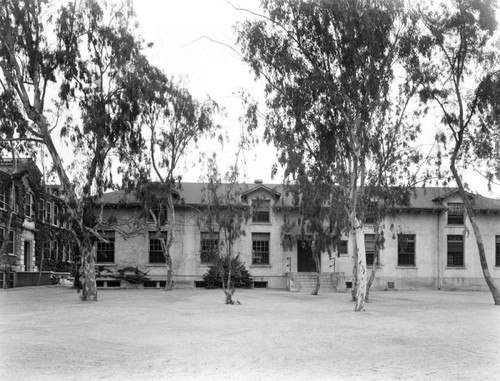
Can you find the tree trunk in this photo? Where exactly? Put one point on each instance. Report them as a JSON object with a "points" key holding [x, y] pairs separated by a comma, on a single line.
{"points": [[315, 255], [228, 287], [479, 239], [361, 267], [89, 286], [375, 265]]}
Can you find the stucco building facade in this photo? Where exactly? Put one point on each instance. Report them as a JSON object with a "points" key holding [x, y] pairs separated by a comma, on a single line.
{"points": [[428, 244]]}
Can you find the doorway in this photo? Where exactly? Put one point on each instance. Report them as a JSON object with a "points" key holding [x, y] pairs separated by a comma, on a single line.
{"points": [[28, 257], [305, 260]]}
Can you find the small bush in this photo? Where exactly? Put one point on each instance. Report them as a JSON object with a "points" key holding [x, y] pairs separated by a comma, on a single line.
{"points": [[241, 278]]}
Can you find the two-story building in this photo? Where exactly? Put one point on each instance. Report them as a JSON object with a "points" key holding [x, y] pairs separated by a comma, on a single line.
{"points": [[37, 235], [428, 244]]}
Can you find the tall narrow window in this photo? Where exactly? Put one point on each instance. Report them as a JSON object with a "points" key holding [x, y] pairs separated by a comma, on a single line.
{"points": [[371, 213], [455, 251], [497, 251], [106, 249], [10, 242], [41, 210], [55, 250], [209, 246], [48, 212], [260, 210], [28, 208], [370, 249], [260, 248], [155, 252], [406, 250], [455, 213], [55, 216]]}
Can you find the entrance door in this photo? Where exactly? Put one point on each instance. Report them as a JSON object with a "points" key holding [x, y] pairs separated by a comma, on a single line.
{"points": [[27, 256], [305, 260]]}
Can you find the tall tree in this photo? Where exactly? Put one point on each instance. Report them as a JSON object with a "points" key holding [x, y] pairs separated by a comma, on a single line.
{"points": [[175, 121], [89, 54], [223, 214], [336, 107], [459, 65]]}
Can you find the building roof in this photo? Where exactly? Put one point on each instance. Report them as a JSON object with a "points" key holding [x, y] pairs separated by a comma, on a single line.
{"points": [[23, 164], [422, 199]]}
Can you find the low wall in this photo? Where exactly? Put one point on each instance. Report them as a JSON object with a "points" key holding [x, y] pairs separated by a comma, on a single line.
{"points": [[34, 278], [306, 282]]}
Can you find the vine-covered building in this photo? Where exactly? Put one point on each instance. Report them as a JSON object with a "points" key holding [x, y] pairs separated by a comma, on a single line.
{"points": [[33, 225], [428, 243]]}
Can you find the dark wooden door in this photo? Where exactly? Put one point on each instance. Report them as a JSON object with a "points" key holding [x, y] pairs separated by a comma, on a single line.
{"points": [[305, 260]]}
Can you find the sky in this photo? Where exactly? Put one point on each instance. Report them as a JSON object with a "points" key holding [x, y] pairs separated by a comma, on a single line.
{"points": [[182, 33]]}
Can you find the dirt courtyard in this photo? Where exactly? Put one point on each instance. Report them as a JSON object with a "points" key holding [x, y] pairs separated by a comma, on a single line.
{"points": [[46, 333]]}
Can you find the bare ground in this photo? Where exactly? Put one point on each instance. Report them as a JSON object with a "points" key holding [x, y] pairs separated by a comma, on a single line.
{"points": [[48, 334]]}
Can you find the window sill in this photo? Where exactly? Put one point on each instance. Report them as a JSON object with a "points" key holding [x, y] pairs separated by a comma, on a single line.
{"points": [[454, 225], [261, 223], [261, 266], [408, 267], [455, 268]]}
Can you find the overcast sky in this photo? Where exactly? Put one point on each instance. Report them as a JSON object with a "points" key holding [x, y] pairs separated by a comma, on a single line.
{"points": [[178, 30]]}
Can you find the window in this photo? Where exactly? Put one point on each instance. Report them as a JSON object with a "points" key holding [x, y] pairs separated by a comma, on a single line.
{"points": [[260, 248], [28, 208], [370, 249], [406, 250], [10, 242], [455, 213], [3, 199], [106, 250], [55, 250], [48, 212], [209, 246], [455, 251], [155, 252], [55, 216], [261, 210], [342, 248], [371, 213], [497, 250], [41, 210]]}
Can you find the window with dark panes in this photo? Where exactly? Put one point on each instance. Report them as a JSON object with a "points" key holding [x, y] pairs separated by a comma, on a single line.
{"points": [[10, 242], [455, 213], [497, 251], [371, 213], [209, 246], [261, 210], [260, 248], [106, 249], [406, 250], [155, 252], [342, 248], [370, 249], [28, 207], [41, 210], [455, 251], [55, 216], [48, 212]]}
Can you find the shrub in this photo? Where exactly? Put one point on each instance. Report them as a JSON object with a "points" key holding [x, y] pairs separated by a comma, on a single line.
{"points": [[241, 278]]}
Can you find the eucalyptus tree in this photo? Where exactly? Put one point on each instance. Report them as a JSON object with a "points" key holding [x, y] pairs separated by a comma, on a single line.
{"points": [[80, 59], [459, 66], [225, 217], [336, 104], [174, 121]]}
